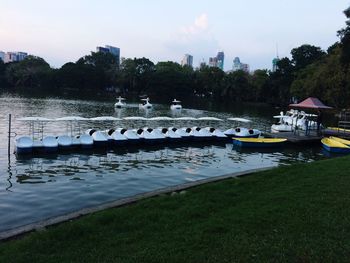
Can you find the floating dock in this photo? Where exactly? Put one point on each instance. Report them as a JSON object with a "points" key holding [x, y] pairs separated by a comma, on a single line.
{"points": [[297, 137]]}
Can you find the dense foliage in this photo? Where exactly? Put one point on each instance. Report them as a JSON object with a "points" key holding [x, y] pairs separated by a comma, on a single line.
{"points": [[310, 72]]}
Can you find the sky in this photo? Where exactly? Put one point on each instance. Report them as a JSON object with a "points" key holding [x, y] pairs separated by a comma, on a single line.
{"points": [[163, 30]]}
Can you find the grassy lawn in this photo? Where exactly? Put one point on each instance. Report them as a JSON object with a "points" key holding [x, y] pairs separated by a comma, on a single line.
{"points": [[299, 213]]}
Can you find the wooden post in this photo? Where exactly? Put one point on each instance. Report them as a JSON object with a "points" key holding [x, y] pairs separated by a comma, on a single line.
{"points": [[9, 137]]}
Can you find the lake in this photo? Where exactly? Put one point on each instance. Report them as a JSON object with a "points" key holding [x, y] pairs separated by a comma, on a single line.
{"points": [[36, 188]]}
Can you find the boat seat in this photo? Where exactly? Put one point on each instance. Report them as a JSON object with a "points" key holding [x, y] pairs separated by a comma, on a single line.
{"points": [[122, 131], [238, 129], [164, 130], [139, 131], [91, 132], [110, 132]]}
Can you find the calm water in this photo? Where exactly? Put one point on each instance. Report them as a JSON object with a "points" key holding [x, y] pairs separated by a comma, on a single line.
{"points": [[36, 188]]}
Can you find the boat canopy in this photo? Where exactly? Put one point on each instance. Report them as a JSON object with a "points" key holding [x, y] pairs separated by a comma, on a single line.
{"points": [[35, 119], [135, 118], [185, 119], [209, 119], [105, 118], [71, 118], [239, 119], [164, 118]]}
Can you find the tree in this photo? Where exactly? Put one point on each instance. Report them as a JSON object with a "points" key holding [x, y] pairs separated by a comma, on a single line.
{"points": [[305, 55], [32, 72], [344, 35]]}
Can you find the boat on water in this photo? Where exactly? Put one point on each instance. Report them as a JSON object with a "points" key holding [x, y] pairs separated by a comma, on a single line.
{"points": [[170, 135], [116, 137], [120, 103], [24, 145], [334, 146], [242, 132], [176, 105], [217, 133], [344, 141], [293, 120], [65, 142], [50, 144], [100, 139], [145, 104], [258, 142], [85, 141]]}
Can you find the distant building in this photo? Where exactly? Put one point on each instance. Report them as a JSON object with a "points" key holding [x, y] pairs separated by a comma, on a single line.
{"points": [[217, 61], [213, 62], [110, 49], [2, 56], [220, 60], [13, 56], [187, 60], [202, 64], [238, 65], [274, 64]]}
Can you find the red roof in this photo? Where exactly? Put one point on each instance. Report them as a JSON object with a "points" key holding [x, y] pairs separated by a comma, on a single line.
{"points": [[311, 103]]}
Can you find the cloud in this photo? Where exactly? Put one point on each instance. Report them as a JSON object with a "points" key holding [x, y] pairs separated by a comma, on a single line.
{"points": [[200, 25], [195, 39]]}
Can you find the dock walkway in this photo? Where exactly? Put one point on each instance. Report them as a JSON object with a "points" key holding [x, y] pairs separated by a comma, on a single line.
{"points": [[298, 137]]}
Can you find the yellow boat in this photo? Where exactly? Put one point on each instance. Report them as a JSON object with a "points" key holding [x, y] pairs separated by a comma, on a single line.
{"points": [[338, 129], [346, 142], [258, 142], [334, 146]]}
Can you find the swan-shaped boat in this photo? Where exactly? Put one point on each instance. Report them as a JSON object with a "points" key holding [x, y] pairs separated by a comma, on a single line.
{"points": [[120, 104], [145, 104]]}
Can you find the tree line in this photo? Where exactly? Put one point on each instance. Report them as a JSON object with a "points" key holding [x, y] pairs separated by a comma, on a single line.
{"points": [[311, 71]]}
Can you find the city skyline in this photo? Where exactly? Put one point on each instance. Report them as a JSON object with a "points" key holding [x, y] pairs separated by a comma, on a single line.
{"points": [[63, 32]]}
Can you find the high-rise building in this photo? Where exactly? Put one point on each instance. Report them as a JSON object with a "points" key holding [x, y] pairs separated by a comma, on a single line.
{"points": [[217, 61], [2, 56], [115, 51], [220, 60], [238, 65], [274, 64], [14, 56], [187, 60], [213, 62]]}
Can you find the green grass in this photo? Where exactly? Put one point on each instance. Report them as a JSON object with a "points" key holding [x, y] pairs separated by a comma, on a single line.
{"points": [[298, 213]]}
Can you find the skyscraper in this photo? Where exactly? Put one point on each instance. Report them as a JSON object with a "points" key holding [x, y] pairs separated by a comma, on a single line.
{"points": [[187, 60], [115, 51], [2, 56], [274, 64], [238, 65], [217, 61], [213, 62], [220, 59]]}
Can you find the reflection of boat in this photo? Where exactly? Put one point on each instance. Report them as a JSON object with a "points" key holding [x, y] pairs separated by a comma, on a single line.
{"points": [[24, 144], [176, 105], [120, 104], [145, 104], [334, 146], [258, 142]]}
